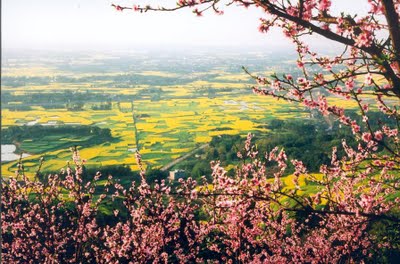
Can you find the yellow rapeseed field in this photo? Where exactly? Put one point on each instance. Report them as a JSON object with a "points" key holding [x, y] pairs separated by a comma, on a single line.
{"points": [[167, 128]]}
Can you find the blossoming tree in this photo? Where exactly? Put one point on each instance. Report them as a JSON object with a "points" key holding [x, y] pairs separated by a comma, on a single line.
{"points": [[249, 217]]}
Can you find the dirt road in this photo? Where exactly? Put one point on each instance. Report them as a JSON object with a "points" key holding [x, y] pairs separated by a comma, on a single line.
{"points": [[173, 163]]}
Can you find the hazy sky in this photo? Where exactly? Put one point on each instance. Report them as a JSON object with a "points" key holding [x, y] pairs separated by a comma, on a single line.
{"points": [[94, 24]]}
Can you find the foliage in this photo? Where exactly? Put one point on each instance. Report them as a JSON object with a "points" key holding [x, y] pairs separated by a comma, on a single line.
{"points": [[308, 140]]}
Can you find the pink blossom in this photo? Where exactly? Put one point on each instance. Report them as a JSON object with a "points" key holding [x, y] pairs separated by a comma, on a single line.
{"points": [[368, 79], [118, 7], [378, 135], [264, 26], [300, 64], [366, 137], [350, 83], [323, 105], [363, 40], [365, 107], [324, 5], [355, 127]]}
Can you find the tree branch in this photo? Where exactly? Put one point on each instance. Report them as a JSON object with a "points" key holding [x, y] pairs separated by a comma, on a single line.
{"points": [[389, 74], [392, 19]]}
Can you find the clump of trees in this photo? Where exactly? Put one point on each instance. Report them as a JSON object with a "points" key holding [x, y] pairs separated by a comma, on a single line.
{"points": [[20, 133], [102, 106], [353, 216]]}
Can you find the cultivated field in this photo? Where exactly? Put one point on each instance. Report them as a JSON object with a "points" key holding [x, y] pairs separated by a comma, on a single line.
{"points": [[174, 110]]}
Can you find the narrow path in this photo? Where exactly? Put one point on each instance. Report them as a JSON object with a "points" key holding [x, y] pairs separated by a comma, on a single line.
{"points": [[176, 161]]}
